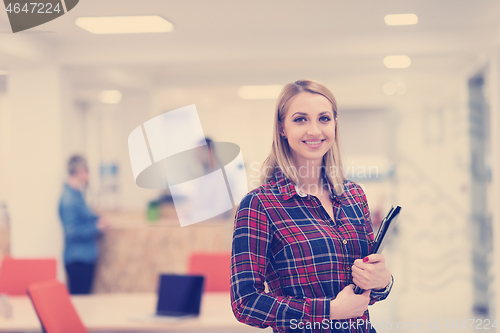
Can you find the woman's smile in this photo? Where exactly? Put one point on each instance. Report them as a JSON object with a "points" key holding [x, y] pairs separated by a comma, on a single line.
{"points": [[314, 144]]}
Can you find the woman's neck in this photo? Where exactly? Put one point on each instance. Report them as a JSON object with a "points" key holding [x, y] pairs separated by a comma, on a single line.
{"points": [[309, 177]]}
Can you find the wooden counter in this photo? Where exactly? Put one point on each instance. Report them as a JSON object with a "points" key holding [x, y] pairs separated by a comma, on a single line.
{"points": [[134, 250]]}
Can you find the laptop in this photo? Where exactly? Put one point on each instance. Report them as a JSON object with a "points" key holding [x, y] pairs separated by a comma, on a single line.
{"points": [[179, 298]]}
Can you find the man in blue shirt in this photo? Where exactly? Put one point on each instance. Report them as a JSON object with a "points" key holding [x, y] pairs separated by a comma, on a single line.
{"points": [[82, 228]]}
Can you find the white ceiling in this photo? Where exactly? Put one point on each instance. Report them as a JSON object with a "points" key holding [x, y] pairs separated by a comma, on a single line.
{"points": [[232, 42]]}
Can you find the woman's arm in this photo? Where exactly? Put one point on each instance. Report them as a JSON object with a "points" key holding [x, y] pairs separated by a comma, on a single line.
{"points": [[250, 257]]}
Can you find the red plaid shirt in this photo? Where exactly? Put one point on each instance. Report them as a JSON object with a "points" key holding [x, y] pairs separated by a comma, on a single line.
{"points": [[287, 239]]}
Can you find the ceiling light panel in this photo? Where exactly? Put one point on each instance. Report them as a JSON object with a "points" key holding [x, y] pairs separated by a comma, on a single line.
{"points": [[397, 61], [124, 24], [401, 19], [110, 96]]}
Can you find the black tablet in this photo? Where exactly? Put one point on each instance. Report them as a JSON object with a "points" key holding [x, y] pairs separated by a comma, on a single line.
{"points": [[385, 229], [382, 235]]}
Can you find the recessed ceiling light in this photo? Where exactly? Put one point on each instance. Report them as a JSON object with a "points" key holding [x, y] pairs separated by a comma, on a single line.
{"points": [[397, 61], [260, 92], [394, 87], [124, 24], [389, 88], [110, 96], [401, 19]]}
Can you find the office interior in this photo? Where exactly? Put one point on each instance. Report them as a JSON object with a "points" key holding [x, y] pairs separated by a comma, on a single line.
{"points": [[421, 132]]}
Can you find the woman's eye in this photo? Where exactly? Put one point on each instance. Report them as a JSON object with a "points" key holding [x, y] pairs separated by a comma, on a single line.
{"points": [[325, 119], [299, 119]]}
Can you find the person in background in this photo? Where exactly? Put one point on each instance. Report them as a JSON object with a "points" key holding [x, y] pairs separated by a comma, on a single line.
{"points": [[82, 228]]}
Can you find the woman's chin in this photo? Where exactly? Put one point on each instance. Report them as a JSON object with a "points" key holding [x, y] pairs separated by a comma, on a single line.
{"points": [[313, 158]]}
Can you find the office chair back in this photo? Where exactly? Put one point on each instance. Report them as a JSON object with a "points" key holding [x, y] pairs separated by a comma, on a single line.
{"points": [[17, 274], [216, 267], [54, 308]]}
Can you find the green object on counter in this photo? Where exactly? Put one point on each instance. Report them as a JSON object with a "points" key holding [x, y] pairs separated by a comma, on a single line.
{"points": [[153, 212]]}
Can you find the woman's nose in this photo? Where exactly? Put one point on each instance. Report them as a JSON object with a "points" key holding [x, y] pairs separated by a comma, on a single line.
{"points": [[313, 129]]}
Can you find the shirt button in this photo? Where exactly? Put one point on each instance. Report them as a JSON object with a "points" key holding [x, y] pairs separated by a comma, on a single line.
{"points": [[348, 268], [344, 241]]}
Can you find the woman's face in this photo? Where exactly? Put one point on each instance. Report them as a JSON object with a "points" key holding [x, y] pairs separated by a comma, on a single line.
{"points": [[309, 127]]}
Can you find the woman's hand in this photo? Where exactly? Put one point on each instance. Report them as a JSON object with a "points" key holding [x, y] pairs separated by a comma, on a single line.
{"points": [[349, 305], [371, 273]]}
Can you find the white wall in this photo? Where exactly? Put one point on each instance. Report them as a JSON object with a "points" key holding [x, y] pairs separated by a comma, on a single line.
{"points": [[4, 145], [35, 159]]}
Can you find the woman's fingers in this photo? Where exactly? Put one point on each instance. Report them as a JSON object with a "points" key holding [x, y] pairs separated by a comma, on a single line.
{"points": [[370, 274], [374, 258], [359, 263], [356, 271], [375, 261], [360, 283], [359, 278]]}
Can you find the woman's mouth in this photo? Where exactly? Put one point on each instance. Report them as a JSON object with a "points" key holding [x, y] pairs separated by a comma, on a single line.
{"points": [[314, 143]]}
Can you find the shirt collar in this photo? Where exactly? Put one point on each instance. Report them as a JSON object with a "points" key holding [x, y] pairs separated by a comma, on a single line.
{"points": [[288, 189], [72, 189]]}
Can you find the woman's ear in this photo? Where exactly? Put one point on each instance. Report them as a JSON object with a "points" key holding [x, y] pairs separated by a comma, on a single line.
{"points": [[281, 130]]}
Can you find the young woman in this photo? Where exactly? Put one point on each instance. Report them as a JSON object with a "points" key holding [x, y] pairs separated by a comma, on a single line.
{"points": [[301, 240]]}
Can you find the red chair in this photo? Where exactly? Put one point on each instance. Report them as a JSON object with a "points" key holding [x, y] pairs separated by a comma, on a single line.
{"points": [[17, 274], [54, 308], [216, 267]]}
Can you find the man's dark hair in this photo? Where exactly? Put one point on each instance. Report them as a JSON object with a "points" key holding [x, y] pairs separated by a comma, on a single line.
{"points": [[76, 162]]}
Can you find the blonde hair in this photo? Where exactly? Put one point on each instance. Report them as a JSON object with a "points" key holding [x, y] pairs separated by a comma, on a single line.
{"points": [[280, 155]]}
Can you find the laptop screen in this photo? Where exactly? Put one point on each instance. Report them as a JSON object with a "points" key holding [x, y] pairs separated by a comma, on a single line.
{"points": [[179, 295]]}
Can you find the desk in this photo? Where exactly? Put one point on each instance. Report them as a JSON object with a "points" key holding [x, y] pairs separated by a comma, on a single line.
{"points": [[112, 313]]}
